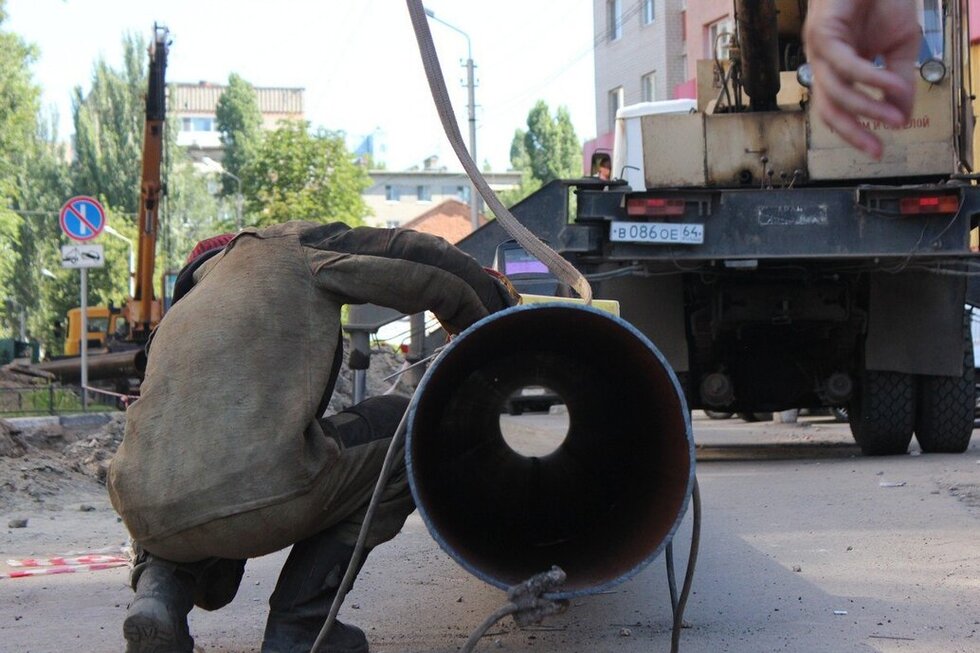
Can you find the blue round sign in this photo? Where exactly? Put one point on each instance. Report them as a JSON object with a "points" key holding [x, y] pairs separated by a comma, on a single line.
{"points": [[82, 218]]}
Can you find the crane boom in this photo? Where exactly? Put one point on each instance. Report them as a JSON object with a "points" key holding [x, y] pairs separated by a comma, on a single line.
{"points": [[143, 310]]}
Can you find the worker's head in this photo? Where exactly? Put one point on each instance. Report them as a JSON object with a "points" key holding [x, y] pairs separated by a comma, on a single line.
{"points": [[601, 166], [203, 251], [212, 245]]}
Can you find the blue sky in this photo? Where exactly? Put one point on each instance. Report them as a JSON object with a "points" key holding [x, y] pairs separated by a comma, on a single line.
{"points": [[357, 60]]}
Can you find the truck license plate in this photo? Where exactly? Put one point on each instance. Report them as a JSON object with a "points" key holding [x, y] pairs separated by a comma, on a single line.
{"points": [[671, 233]]}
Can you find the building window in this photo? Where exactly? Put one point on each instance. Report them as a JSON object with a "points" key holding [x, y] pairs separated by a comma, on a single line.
{"points": [[648, 86], [615, 103], [197, 124], [462, 193], [614, 19], [392, 194], [423, 193], [719, 38], [648, 12]]}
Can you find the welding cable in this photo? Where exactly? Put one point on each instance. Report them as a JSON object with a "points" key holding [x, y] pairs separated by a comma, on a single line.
{"points": [[476, 635], [355, 561], [681, 603]]}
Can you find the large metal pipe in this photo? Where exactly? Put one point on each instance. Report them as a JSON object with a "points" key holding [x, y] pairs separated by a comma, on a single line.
{"points": [[120, 364], [758, 39], [605, 502]]}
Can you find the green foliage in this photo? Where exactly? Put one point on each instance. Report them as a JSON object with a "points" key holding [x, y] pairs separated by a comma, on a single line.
{"points": [[42, 189], [192, 213], [19, 99], [298, 175], [22, 151], [109, 124], [547, 150], [239, 122], [10, 228]]}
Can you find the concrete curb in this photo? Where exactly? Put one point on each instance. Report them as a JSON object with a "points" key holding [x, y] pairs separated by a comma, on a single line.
{"points": [[81, 420]]}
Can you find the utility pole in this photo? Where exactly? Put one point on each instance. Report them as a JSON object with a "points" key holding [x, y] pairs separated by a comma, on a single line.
{"points": [[475, 199]]}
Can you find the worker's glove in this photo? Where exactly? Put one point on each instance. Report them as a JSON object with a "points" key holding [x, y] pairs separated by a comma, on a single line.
{"points": [[405, 270], [515, 297]]}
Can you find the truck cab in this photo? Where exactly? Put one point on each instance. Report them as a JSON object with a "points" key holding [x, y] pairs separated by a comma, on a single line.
{"points": [[105, 323]]}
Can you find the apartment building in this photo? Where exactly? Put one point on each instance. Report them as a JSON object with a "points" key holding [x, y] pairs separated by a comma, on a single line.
{"points": [[193, 107], [399, 196], [639, 54], [647, 50]]}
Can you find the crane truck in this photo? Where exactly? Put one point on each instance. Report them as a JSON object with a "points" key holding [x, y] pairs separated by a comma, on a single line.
{"points": [[113, 328], [116, 335], [774, 265]]}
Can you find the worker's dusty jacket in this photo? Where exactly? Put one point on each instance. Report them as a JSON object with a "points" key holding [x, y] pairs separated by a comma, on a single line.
{"points": [[226, 419]]}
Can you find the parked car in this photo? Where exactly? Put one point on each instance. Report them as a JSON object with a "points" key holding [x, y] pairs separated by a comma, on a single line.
{"points": [[533, 398]]}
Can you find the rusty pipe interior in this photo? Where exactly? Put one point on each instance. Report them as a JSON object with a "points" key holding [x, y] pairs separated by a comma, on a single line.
{"points": [[605, 502]]}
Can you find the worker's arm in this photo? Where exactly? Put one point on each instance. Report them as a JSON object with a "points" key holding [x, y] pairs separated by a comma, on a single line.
{"points": [[405, 270], [843, 37]]}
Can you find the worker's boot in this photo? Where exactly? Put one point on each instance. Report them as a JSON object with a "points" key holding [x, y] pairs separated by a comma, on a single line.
{"points": [[156, 621], [304, 593]]}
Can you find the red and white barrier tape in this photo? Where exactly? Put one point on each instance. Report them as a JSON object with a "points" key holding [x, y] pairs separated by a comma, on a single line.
{"points": [[63, 565], [90, 559], [126, 399], [63, 569]]}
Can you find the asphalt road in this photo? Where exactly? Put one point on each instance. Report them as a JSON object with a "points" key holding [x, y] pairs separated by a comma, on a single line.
{"points": [[806, 546]]}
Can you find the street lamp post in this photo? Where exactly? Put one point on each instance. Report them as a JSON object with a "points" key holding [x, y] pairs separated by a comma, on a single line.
{"points": [[471, 107], [239, 198], [132, 258]]}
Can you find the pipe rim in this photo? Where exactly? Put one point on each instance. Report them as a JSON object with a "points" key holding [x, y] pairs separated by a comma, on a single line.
{"points": [[688, 433]]}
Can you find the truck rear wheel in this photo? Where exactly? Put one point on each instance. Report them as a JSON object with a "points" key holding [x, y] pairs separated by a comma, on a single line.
{"points": [[946, 405], [882, 417]]}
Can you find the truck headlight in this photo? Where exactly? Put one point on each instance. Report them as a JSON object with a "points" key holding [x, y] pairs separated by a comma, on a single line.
{"points": [[804, 75], [933, 70]]}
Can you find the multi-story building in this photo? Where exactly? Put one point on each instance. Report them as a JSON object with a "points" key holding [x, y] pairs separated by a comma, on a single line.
{"points": [[647, 50], [193, 107], [396, 197], [639, 54]]}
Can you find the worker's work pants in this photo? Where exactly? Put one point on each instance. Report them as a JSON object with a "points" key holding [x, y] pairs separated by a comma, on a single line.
{"points": [[216, 551]]}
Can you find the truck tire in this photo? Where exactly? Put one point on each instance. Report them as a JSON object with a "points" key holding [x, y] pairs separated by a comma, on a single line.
{"points": [[946, 405], [755, 417], [882, 417], [717, 414]]}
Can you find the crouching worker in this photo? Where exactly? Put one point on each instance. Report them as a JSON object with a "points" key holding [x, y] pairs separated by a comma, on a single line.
{"points": [[227, 455]]}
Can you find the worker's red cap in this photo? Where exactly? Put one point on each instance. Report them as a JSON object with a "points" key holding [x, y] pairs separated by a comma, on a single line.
{"points": [[206, 245]]}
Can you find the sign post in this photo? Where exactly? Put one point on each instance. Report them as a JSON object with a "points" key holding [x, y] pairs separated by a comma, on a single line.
{"points": [[82, 218]]}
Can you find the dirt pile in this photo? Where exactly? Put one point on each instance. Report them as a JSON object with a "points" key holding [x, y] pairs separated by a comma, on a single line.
{"points": [[43, 460], [14, 383]]}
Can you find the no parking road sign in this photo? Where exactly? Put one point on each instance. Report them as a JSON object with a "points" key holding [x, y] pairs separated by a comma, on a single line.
{"points": [[82, 218]]}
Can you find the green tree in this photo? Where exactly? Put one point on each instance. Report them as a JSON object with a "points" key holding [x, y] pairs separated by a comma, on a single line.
{"points": [[192, 213], [298, 175], [30, 181], [43, 187], [19, 105], [547, 150], [109, 123], [239, 122]]}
